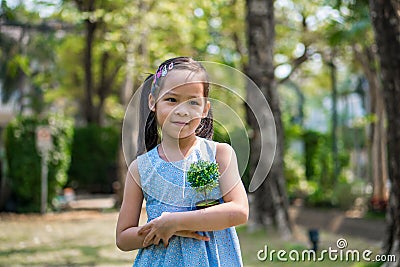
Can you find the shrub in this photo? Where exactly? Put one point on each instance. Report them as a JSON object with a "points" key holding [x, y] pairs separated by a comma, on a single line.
{"points": [[94, 159], [24, 164]]}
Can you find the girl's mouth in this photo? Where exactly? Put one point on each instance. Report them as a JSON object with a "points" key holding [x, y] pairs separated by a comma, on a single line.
{"points": [[180, 123]]}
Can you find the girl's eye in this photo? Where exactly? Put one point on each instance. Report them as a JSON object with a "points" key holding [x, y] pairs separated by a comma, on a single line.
{"points": [[193, 102], [170, 99]]}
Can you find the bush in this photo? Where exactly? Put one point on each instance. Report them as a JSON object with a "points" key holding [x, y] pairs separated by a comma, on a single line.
{"points": [[24, 164], [319, 169], [94, 159]]}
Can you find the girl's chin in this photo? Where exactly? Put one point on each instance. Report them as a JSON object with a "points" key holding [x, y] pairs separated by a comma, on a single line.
{"points": [[180, 134]]}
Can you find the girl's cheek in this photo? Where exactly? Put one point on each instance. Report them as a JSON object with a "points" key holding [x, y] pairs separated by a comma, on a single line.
{"points": [[196, 114]]}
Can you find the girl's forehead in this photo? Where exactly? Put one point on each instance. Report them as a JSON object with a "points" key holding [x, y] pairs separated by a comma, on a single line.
{"points": [[183, 78], [192, 89]]}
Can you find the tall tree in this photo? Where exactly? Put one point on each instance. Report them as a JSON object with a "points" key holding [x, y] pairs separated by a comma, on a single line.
{"points": [[136, 54], [90, 28], [377, 133], [270, 200], [101, 63], [386, 22], [355, 32]]}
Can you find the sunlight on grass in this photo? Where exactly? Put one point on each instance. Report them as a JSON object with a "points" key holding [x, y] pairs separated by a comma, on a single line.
{"points": [[74, 241]]}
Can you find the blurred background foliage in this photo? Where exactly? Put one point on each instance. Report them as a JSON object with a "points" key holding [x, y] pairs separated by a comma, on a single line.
{"points": [[25, 164], [85, 59], [94, 159]]}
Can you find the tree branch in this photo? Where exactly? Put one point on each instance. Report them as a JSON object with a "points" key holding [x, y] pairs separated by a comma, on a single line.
{"points": [[295, 64], [43, 27]]}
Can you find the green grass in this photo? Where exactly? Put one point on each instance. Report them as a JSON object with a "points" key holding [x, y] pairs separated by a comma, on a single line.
{"points": [[88, 239], [375, 215], [78, 240]]}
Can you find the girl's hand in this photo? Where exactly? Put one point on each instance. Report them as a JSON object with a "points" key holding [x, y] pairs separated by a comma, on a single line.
{"points": [[186, 233], [192, 234], [161, 228], [143, 233]]}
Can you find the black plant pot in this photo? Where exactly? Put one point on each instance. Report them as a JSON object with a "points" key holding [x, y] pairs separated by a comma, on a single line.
{"points": [[206, 203]]}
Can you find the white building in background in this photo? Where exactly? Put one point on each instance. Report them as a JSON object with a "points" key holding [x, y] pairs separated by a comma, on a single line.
{"points": [[7, 113]]}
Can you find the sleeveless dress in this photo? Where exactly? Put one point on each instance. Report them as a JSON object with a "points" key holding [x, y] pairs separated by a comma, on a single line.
{"points": [[165, 188]]}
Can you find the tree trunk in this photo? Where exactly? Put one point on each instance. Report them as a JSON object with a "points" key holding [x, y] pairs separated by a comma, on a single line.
{"points": [[386, 23], [378, 146], [125, 95], [269, 202], [335, 152], [131, 146], [377, 132], [88, 54], [103, 88], [94, 113]]}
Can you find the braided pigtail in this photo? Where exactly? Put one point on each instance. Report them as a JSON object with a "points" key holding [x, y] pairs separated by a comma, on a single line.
{"points": [[206, 127], [148, 133]]}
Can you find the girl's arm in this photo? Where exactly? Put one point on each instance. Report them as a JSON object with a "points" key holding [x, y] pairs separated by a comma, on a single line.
{"points": [[127, 236], [127, 231], [234, 210]]}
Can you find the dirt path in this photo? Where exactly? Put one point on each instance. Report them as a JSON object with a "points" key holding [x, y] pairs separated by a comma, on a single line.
{"points": [[338, 222]]}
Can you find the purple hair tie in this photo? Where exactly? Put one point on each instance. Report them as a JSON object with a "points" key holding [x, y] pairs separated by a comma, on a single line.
{"points": [[161, 72]]}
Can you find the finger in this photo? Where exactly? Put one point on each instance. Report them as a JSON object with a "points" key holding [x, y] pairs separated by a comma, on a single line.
{"points": [[143, 232], [165, 241], [201, 237], [147, 245], [144, 228], [149, 238], [156, 240], [192, 234], [187, 234]]}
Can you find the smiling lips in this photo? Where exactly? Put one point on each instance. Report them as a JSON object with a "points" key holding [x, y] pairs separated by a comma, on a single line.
{"points": [[180, 123]]}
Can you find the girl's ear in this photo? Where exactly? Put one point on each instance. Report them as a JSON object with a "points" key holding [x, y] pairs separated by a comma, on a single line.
{"points": [[152, 103], [206, 109]]}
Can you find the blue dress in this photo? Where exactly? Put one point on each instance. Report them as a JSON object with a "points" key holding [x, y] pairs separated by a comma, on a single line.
{"points": [[165, 188]]}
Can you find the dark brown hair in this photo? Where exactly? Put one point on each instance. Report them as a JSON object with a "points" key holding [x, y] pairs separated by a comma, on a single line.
{"points": [[149, 137]]}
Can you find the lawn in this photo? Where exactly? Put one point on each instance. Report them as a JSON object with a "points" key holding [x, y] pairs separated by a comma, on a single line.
{"points": [[69, 239], [86, 238]]}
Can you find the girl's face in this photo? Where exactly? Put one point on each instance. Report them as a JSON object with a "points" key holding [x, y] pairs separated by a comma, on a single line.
{"points": [[180, 105]]}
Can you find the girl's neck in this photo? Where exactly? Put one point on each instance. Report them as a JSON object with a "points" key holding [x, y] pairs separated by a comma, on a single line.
{"points": [[176, 149]]}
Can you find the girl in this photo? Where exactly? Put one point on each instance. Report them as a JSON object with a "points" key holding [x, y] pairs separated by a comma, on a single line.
{"points": [[176, 234]]}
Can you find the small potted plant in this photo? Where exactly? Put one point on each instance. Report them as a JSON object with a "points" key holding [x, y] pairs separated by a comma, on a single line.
{"points": [[203, 177]]}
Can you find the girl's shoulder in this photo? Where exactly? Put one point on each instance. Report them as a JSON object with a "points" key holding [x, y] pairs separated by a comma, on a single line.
{"points": [[224, 153], [222, 147], [133, 171], [146, 155], [142, 162]]}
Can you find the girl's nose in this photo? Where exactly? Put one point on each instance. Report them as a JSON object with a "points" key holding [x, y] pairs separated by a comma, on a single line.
{"points": [[181, 110]]}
